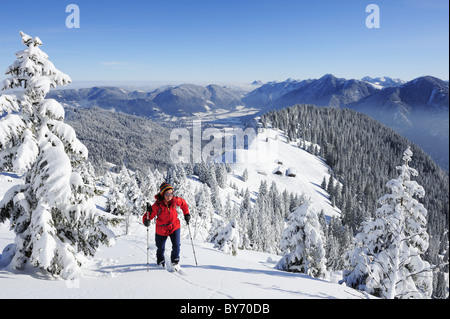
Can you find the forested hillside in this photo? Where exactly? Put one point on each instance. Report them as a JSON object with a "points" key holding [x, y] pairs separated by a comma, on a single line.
{"points": [[119, 139], [364, 154]]}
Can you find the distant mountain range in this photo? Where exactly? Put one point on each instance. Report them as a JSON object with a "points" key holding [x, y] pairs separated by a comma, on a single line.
{"points": [[417, 109], [326, 91], [383, 82], [181, 100], [190, 99]]}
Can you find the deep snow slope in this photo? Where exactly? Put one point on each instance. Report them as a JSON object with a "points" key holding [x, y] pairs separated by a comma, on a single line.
{"points": [[269, 152], [121, 272]]}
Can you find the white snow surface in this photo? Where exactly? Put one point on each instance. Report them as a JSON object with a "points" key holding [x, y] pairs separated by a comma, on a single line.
{"points": [[270, 151], [121, 272]]}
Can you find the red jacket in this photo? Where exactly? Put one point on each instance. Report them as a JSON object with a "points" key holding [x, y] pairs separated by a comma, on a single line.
{"points": [[166, 215]]}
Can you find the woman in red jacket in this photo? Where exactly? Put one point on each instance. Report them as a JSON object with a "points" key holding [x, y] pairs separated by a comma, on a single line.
{"points": [[167, 222]]}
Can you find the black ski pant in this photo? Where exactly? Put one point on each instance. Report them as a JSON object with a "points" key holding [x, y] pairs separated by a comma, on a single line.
{"points": [[161, 244]]}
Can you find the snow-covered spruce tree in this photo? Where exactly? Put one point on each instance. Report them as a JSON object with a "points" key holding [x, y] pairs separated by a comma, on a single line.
{"points": [[202, 222], [221, 175], [245, 221], [228, 238], [150, 185], [125, 198], [186, 191], [387, 258], [339, 239], [52, 213], [303, 243]]}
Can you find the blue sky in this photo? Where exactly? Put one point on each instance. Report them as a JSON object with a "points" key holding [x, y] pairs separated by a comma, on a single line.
{"points": [[232, 41]]}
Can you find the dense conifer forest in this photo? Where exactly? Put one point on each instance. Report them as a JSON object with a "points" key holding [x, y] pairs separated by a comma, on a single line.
{"points": [[363, 155]]}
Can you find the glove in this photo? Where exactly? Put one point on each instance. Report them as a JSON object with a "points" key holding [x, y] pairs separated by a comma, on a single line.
{"points": [[149, 210], [187, 218]]}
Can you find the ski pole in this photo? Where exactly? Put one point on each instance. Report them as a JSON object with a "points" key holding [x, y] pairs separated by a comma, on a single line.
{"points": [[147, 246], [192, 243], [147, 250]]}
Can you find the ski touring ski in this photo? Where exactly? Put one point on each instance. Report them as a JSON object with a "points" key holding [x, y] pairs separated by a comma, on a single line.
{"points": [[176, 269]]}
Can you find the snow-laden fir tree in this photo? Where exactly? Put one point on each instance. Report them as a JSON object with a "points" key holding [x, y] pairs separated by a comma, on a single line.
{"points": [[202, 222], [125, 197], [339, 239], [150, 185], [221, 175], [228, 238], [303, 243], [185, 190], [387, 258], [245, 221], [245, 175], [52, 213]]}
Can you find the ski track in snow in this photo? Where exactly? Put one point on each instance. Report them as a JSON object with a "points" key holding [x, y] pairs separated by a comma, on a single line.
{"points": [[183, 275]]}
